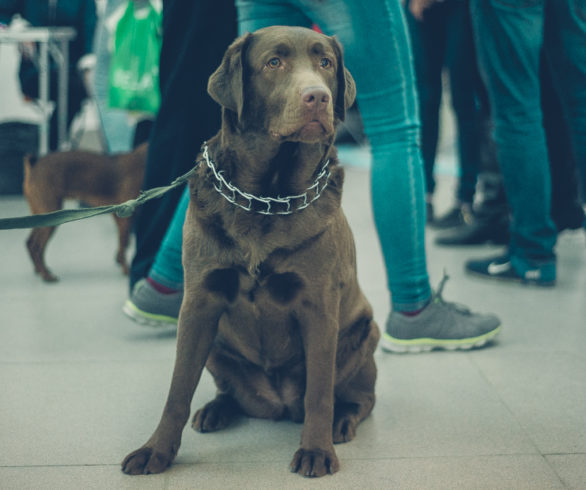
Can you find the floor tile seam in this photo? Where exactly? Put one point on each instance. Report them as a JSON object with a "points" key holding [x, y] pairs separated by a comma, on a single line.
{"points": [[253, 462], [549, 464], [565, 453], [525, 432]]}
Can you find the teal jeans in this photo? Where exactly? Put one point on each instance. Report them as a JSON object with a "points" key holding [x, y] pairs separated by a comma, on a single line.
{"points": [[510, 36], [377, 53]]}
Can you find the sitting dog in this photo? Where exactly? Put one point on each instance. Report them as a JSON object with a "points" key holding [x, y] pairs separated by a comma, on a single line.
{"points": [[95, 179], [272, 305]]}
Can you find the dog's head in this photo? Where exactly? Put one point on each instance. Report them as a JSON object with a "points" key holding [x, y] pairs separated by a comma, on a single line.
{"points": [[287, 81]]}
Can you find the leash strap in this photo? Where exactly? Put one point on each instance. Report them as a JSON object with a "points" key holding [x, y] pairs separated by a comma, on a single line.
{"points": [[123, 210]]}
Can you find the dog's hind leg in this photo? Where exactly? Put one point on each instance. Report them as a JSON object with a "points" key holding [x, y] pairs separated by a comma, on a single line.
{"points": [[243, 388], [354, 403], [217, 414], [123, 225], [36, 245]]}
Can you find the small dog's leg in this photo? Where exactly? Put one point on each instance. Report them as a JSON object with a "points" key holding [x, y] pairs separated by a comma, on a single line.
{"points": [[123, 225], [36, 245], [196, 332]]}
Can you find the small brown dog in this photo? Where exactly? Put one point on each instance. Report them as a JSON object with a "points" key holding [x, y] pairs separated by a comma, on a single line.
{"points": [[95, 179], [272, 305]]}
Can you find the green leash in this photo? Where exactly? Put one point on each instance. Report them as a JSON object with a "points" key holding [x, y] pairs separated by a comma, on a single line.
{"points": [[123, 210]]}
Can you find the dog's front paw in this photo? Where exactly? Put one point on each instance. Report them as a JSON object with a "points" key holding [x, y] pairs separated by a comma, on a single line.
{"points": [[315, 463], [146, 461]]}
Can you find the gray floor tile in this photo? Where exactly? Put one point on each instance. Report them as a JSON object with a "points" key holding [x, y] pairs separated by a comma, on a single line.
{"points": [[76, 478], [571, 469], [546, 393], [503, 473]]}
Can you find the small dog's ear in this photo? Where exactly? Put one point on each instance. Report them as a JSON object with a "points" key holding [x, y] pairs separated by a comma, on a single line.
{"points": [[346, 86], [226, 84]]}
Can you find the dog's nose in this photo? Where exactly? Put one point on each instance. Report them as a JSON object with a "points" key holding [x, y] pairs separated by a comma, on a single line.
{"points": [[315, 97]]}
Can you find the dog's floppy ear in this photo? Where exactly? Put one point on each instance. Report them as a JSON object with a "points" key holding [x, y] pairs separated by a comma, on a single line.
{"points": [[346, 85], [226, 84]]}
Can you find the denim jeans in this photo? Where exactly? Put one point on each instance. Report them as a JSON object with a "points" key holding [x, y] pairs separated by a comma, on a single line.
{"points": [[510, 35], [444, 39]]}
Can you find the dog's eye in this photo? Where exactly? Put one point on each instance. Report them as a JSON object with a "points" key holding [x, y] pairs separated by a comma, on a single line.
{"points": [[274, 63], [325, 63]]}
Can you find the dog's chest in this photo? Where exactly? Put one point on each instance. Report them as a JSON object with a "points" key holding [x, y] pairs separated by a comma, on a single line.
{"points": [[260, 325]]}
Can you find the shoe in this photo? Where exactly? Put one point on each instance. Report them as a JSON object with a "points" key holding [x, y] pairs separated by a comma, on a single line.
{"points": [[441, 325], [476, 233], [149, 307], [501, 268], [458, 216]]}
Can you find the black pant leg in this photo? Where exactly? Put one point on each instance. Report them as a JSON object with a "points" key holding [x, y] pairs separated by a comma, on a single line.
{"points": [[195, 36]]}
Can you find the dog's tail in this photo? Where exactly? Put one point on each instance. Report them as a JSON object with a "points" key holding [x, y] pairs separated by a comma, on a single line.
{"points": [[28, 162]]}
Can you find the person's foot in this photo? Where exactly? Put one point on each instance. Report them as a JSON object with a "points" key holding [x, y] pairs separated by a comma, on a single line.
{"points": [[476, 233], [440, 325], [148, 306], [501, 268], [459, 215]]}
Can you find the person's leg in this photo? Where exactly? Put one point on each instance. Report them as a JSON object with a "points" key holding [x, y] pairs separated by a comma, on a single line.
{"points": [[387, 98], [509, 37], [428, 42], [388, 103], [565, 32], [195, 36], [566, 207], [115, 123], [167, 269], [462, 66], [156, 300]]}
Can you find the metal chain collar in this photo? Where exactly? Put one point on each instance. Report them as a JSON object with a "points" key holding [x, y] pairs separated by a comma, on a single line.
{"points": [[265, 205]]}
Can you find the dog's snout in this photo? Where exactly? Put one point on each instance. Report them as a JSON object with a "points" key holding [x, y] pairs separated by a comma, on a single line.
{"points": [[315, 97]]}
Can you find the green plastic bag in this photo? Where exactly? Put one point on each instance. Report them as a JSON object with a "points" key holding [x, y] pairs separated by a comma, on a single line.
{"points": [[134, 65]]}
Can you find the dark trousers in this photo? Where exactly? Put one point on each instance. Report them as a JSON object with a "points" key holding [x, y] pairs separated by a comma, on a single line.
{"points": [[195, 36], [444, 39], [566, 202]]}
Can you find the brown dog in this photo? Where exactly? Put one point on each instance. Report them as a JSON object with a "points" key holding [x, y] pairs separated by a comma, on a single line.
{"points": [[95, 179], [272, 305]]}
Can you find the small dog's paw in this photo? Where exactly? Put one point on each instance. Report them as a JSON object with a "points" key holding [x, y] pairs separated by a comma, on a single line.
{"points": [[146, 461], [48, 276], [315, 463], [344, 429]]}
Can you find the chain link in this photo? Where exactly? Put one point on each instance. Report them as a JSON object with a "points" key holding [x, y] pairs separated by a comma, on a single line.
{"points": [[230, 192]]}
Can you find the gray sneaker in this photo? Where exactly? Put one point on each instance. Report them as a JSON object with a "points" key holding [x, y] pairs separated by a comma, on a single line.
{"points": [[149, 307], [441, 325]]}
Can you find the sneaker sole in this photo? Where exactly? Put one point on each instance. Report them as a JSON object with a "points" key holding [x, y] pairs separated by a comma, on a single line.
{"points": [[391, 344], [148, 319], [516, 280]]}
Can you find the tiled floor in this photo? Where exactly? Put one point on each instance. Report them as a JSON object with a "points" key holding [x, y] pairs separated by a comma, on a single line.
{"points": [[80, 385]]}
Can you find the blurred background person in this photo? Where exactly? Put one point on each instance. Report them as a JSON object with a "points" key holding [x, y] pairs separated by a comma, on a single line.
{"points": [[78, 14], [442, 41]]}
